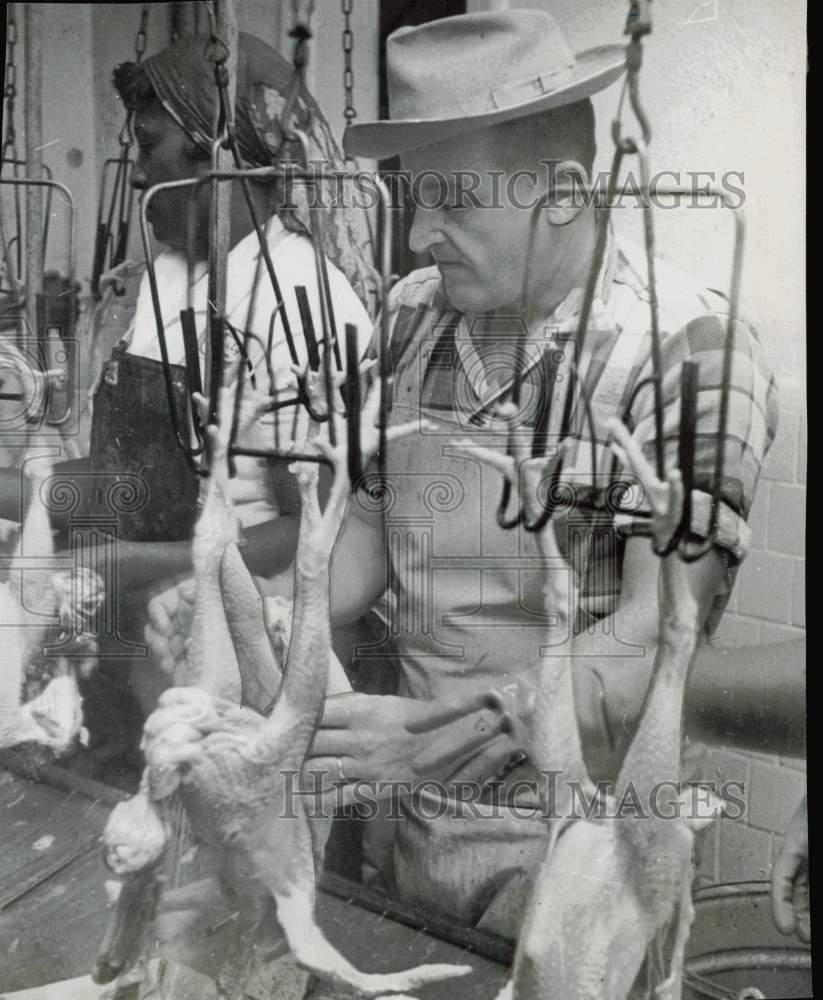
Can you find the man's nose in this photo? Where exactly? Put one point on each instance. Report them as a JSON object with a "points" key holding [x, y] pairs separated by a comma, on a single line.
{"points": [[425, 231]]}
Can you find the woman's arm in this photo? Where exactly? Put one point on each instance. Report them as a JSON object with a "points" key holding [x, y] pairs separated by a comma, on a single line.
{"points": [[752, 697], [749, 697], [269, 548], [358, 570], [15, 490]]}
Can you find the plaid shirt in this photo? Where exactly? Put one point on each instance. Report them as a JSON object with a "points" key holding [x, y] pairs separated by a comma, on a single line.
{"points": [[467, 595]]}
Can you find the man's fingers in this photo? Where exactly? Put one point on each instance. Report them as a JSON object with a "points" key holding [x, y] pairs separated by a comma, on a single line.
{"points": [[458, 743], [160, 650], [486, 764], [329, 743], [800, 903], [159, 618], [341, 797], [177, 646], [782, 892], [201, 405], [435, 714], [338, 712], [170, 600], [325, 772], [456, 740], [783, 912], [633, 453], [804, 930], [351, 711]]}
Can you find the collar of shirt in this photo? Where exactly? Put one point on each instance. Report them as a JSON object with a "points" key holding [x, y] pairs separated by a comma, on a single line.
{"points": [[564, 320], [175, 292]]}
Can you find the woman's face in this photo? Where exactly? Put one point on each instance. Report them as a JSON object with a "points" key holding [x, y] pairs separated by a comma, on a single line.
{"points": [[166, 154]]}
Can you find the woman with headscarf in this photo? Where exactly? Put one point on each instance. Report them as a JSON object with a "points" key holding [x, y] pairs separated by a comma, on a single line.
{"points": [[173, 97], [174, 101]]}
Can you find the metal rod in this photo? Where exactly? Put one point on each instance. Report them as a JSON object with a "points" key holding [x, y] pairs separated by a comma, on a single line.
{"points": [[243, 176], [303, 307], [750, 960], [71, 208], [184, 441], [34, 164], [261, 173], [326, 322], [220, 212], [503, 519], [5, 250], [385, 286], [354, 407]]}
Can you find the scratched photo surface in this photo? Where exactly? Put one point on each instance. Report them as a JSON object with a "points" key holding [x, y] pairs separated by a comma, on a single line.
{"points": [[379, 613]]}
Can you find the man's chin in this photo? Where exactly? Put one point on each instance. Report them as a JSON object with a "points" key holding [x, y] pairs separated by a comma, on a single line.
{"points": [[463, 295]]}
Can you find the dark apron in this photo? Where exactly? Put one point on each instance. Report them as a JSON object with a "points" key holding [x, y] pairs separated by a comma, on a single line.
{"points": [[133, 441], [149, 488]]}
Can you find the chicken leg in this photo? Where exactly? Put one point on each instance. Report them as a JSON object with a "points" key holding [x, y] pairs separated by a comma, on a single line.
{"points": [[238, 774], [611, 885]]}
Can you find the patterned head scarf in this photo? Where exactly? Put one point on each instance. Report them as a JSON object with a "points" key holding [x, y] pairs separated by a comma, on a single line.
{"points": [[181, 77]]}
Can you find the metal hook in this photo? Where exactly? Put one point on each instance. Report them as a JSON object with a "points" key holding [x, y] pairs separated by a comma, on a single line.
{"points": [[682, 540], [688, 550], [313, 355], [331, 348], [52, 185], [551, 361], [638, 25], [301, 33], [504, 521], [109, 241]]}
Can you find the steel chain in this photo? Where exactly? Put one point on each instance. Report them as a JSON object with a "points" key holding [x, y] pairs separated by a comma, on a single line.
{"points": [[349, 112], [299, 16], [301, 32], [140, 41], [217, 51], [125, 137], [10, 88]]}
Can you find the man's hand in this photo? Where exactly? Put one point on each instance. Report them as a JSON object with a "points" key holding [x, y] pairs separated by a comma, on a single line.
{"points": [[169, 626], [383, 738], [790, 878]]}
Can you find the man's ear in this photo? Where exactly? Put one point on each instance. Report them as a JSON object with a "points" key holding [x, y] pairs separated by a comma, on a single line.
{"points": [[565, 195]]}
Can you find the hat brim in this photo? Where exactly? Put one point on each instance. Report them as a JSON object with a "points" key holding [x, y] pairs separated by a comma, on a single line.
{"points": [[596, 69]]}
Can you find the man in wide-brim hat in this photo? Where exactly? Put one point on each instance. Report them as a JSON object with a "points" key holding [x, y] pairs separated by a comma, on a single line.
{"points": [[490, 112]]}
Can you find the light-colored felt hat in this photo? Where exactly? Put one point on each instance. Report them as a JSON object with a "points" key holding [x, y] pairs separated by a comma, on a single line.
{"points": [[459, 74]]}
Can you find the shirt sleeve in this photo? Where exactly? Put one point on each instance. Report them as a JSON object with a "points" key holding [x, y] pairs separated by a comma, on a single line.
{"points": [[751, 424]]}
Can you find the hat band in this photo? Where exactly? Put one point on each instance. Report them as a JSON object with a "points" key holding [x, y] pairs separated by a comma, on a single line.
{"points": [[511, 95]]}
